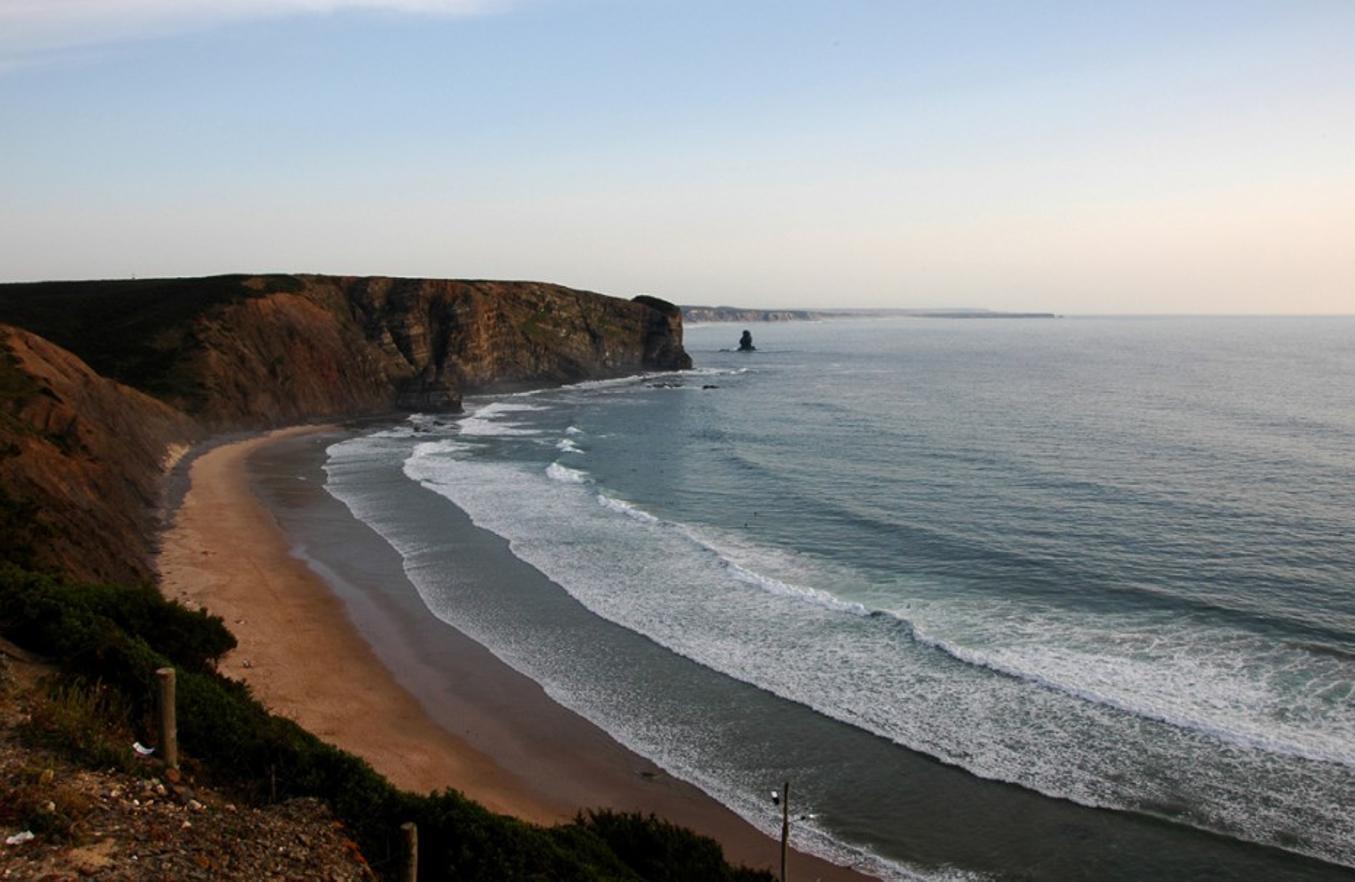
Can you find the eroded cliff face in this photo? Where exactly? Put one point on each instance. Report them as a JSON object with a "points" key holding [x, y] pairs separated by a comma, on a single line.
{"points": [[83, 457], [739, 314], [269, 350], [82, 453]]}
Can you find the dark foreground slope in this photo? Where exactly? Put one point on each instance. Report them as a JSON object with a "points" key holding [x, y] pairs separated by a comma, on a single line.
{"points": [[81, 460]]}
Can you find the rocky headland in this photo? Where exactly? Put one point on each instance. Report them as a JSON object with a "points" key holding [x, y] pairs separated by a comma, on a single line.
{"points": [[708, 314], [103, 385]]}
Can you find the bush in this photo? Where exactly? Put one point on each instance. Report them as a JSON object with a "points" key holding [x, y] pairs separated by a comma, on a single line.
{"points": [[89, 625], [122, 634], [662, 852], [87, 722]]}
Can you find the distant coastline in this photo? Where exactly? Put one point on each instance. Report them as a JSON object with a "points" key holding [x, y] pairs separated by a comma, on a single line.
{"points": [[706, 314]]}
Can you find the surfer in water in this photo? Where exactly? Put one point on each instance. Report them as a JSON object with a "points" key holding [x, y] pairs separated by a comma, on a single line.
{"points": [[746, 343]]}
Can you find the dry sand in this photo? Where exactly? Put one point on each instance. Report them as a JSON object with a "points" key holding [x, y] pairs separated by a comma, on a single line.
{"points": [[304, 659], [298, 651]]}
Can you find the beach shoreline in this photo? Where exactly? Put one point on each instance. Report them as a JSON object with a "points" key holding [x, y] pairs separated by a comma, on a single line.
{"points": [[341, 643]]}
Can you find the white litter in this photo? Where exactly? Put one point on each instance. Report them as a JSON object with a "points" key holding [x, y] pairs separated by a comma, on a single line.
{"points": [[20, 838], [142, 749]]}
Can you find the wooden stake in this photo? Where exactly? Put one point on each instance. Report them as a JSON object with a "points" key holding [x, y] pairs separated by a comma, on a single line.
{"points": [[411, 831], [169, 726], [785, 826]]}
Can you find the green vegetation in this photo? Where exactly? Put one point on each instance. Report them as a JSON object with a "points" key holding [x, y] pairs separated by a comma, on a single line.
{"points": [[537, 327], [118, 635], [87, 722]]}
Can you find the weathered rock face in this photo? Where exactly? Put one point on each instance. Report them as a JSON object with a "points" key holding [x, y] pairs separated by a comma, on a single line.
{"points": [[740, 314], [268, 350], [86, 455], [82, 456]]}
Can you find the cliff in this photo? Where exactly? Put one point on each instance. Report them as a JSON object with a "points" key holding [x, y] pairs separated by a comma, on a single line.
{"points": [[745, 315], [81, 459], [741, 314], [103, 384], [238, 351]]}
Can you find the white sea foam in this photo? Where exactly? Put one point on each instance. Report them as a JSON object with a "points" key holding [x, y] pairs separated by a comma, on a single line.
{"points": [[441, 469], [497, 407], [489, 420], [442, 446], [798, 592], [758, 580], [1080, 737], [564, 445], [1210, 685], [573, 430], [565, 474], [625, 508]]}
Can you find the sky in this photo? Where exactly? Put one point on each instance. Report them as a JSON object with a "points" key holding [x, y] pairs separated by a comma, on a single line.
{"points": [[1107, 157]]}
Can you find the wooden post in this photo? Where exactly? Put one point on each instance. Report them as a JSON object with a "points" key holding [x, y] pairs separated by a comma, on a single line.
{"points": [[785, 826], [411, 831], [169, 726]]}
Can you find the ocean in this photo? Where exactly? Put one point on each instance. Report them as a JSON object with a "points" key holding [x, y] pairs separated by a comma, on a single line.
{"points": [[1029, 599]]}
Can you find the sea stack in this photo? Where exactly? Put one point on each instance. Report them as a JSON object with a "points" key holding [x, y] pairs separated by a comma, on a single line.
{"points": [[746, 342]]}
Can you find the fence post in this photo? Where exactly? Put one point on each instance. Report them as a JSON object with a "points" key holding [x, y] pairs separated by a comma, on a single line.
{"points": [[411, 831], [169, 726], [785, 826]]}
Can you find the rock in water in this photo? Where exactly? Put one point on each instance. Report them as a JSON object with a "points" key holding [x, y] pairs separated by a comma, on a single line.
{"points": [[746, 342]]}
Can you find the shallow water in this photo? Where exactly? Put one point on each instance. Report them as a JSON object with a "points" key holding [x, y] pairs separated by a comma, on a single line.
{"points": [[961, 581]]}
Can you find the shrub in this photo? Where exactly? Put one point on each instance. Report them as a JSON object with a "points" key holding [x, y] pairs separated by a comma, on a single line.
{"points": [[121, 634], [87, 722], [84, 624], [663, 852]]}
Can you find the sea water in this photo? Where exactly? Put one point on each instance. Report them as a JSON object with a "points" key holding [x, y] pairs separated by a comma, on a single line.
{"points": [[959, 580]]}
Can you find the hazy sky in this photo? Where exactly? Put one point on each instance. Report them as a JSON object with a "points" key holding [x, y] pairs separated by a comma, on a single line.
{"points": [[1077, 156]]}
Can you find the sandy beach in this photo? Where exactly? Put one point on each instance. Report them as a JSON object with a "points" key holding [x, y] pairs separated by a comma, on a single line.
{"points": [[432, 709]]}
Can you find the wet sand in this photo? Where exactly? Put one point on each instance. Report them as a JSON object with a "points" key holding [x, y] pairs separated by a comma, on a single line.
{"points": [[341, 643]]}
